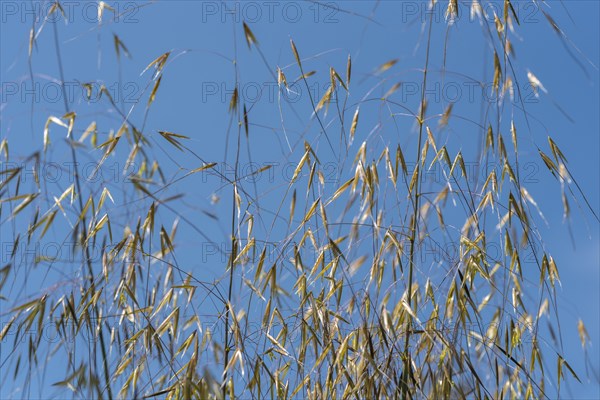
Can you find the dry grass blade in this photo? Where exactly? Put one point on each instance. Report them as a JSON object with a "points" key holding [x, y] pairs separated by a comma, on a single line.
{"points": [[250, 38]]}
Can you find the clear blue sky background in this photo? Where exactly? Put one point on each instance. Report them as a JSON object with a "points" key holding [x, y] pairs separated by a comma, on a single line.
{"points": [[197, 84]]}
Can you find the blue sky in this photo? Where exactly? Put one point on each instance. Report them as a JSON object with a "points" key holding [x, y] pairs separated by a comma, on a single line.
{"points": [[204, 38]]}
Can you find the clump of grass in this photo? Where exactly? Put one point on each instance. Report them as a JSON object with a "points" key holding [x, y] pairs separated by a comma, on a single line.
{"points": [[321, 290]]}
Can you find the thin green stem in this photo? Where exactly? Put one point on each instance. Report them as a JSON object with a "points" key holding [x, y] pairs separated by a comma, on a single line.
{"points": [[83, 222], [414, 220]]}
